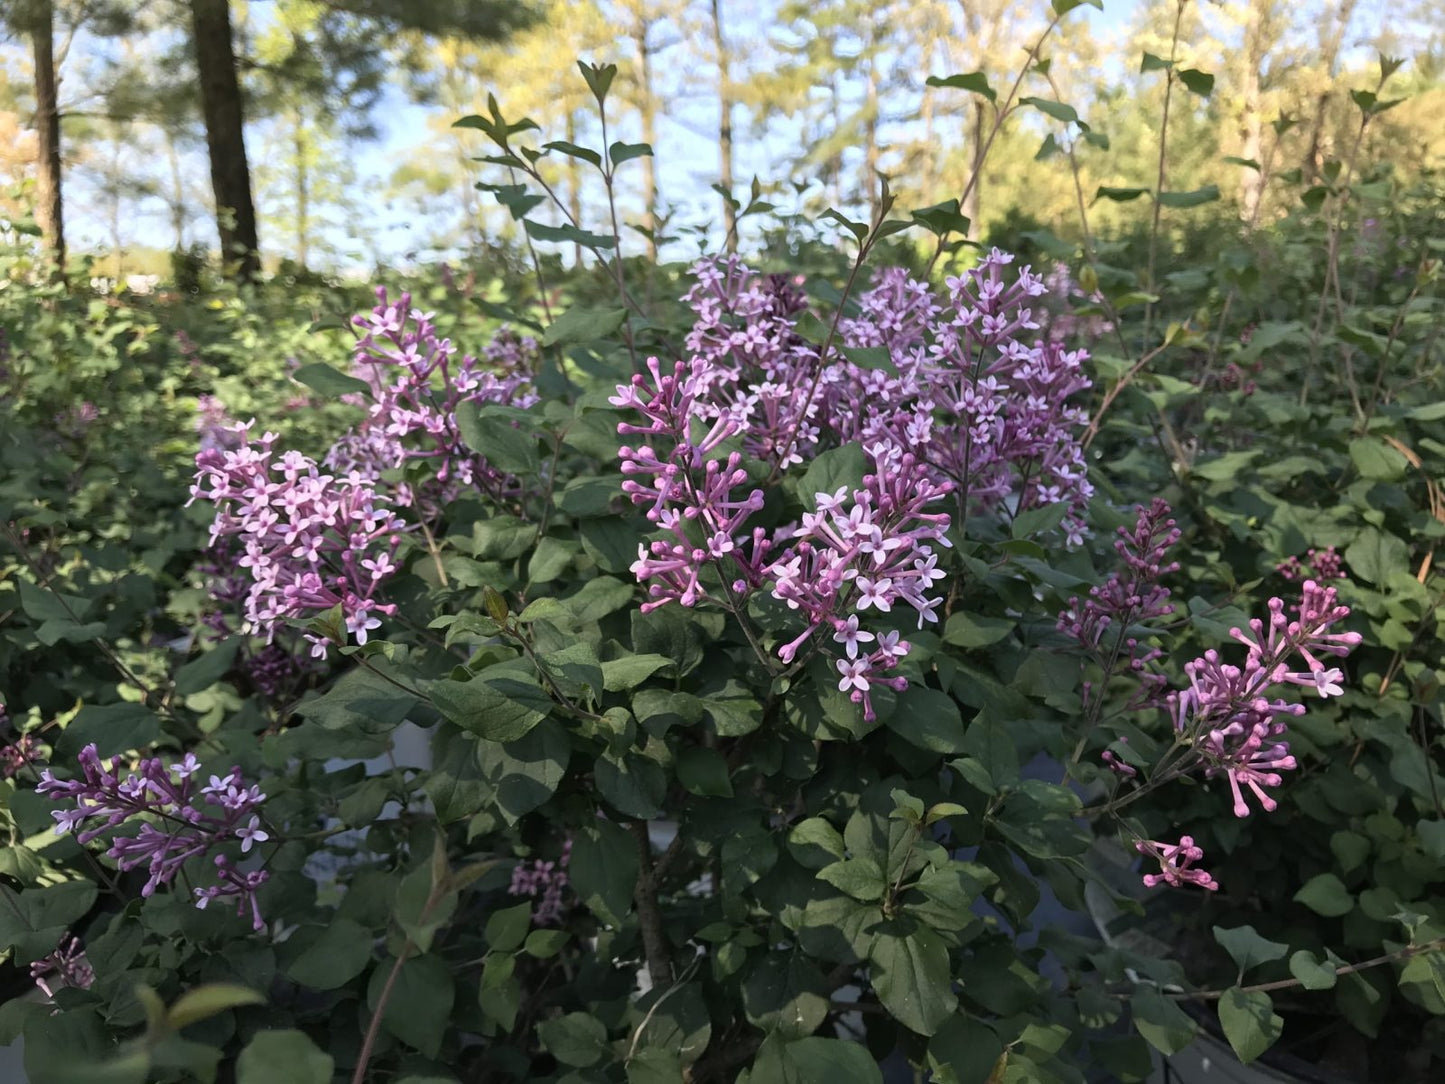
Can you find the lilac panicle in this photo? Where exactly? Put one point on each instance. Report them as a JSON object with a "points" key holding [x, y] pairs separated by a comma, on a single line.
{"points": [[179, 820], [416, 383], [544, 881], [1129, 597], [1175, 860], [66, 966], [1236, 729], [310, 541]]}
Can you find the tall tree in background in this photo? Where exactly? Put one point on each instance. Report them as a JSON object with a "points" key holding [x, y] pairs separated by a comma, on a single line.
{"points": [[224, 115], [50, 204], [35, 20], [723, 56]]}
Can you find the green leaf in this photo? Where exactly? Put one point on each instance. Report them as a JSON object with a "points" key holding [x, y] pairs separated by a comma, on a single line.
{"points": [[1377, 461], [544, 944], [507, 929], [913, 980], [1119, 195], [632, 784], [785, 994], [625, 152], [974, 82], [1057, 110], [1312, 974], [603, 870], [572, 150], [975, 630], [942, 218], [1376, 556], [989, 744], [419, 1010], [1152, 63], [283, 1057], [578, 1039], [526, 772], [112, 728], [1247, 948], [32, 922], [320, 377], [1432, 838], [1063, 7], [704, 772], [1249, 1022], [1197, 198], [490, 430], [583, 325], [861, 878], [814, 843], [1325, 894], [203, 1002], [928, 719], [630, 671], [499, 705], [567, 235], [337, 956], [205, 670], [1198, 82], [1165, 1026]]}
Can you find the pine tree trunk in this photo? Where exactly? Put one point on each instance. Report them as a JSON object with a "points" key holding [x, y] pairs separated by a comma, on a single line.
{"points": [[973, 203], [303, 195], [647, 108], [725, 125], [49, 204], [1251, 125], [574, 185], [225, 135], [870, 144], [1332, 36]]}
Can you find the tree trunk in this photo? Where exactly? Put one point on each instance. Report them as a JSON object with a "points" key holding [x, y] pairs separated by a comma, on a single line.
{"points": [[225, 135], [1332, 36], [1251, 124], [973, 202], [49, 205], [574, 184], [178, 193], [725, 125], [303, 194], [870, 144], [647, 108]]}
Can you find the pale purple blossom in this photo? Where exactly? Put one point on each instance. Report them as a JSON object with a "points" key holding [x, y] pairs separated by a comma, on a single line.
{"points": [[178, 821]]}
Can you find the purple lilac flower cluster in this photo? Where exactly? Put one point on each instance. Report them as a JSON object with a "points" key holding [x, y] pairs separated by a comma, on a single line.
{"points": [[1317, 565], [859, 550], [1174, 861], [544, 881], [182, 821], [1127, 598], [309, 539], [1226, 716], [65, 967], [416, 384], [971, 402]]}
